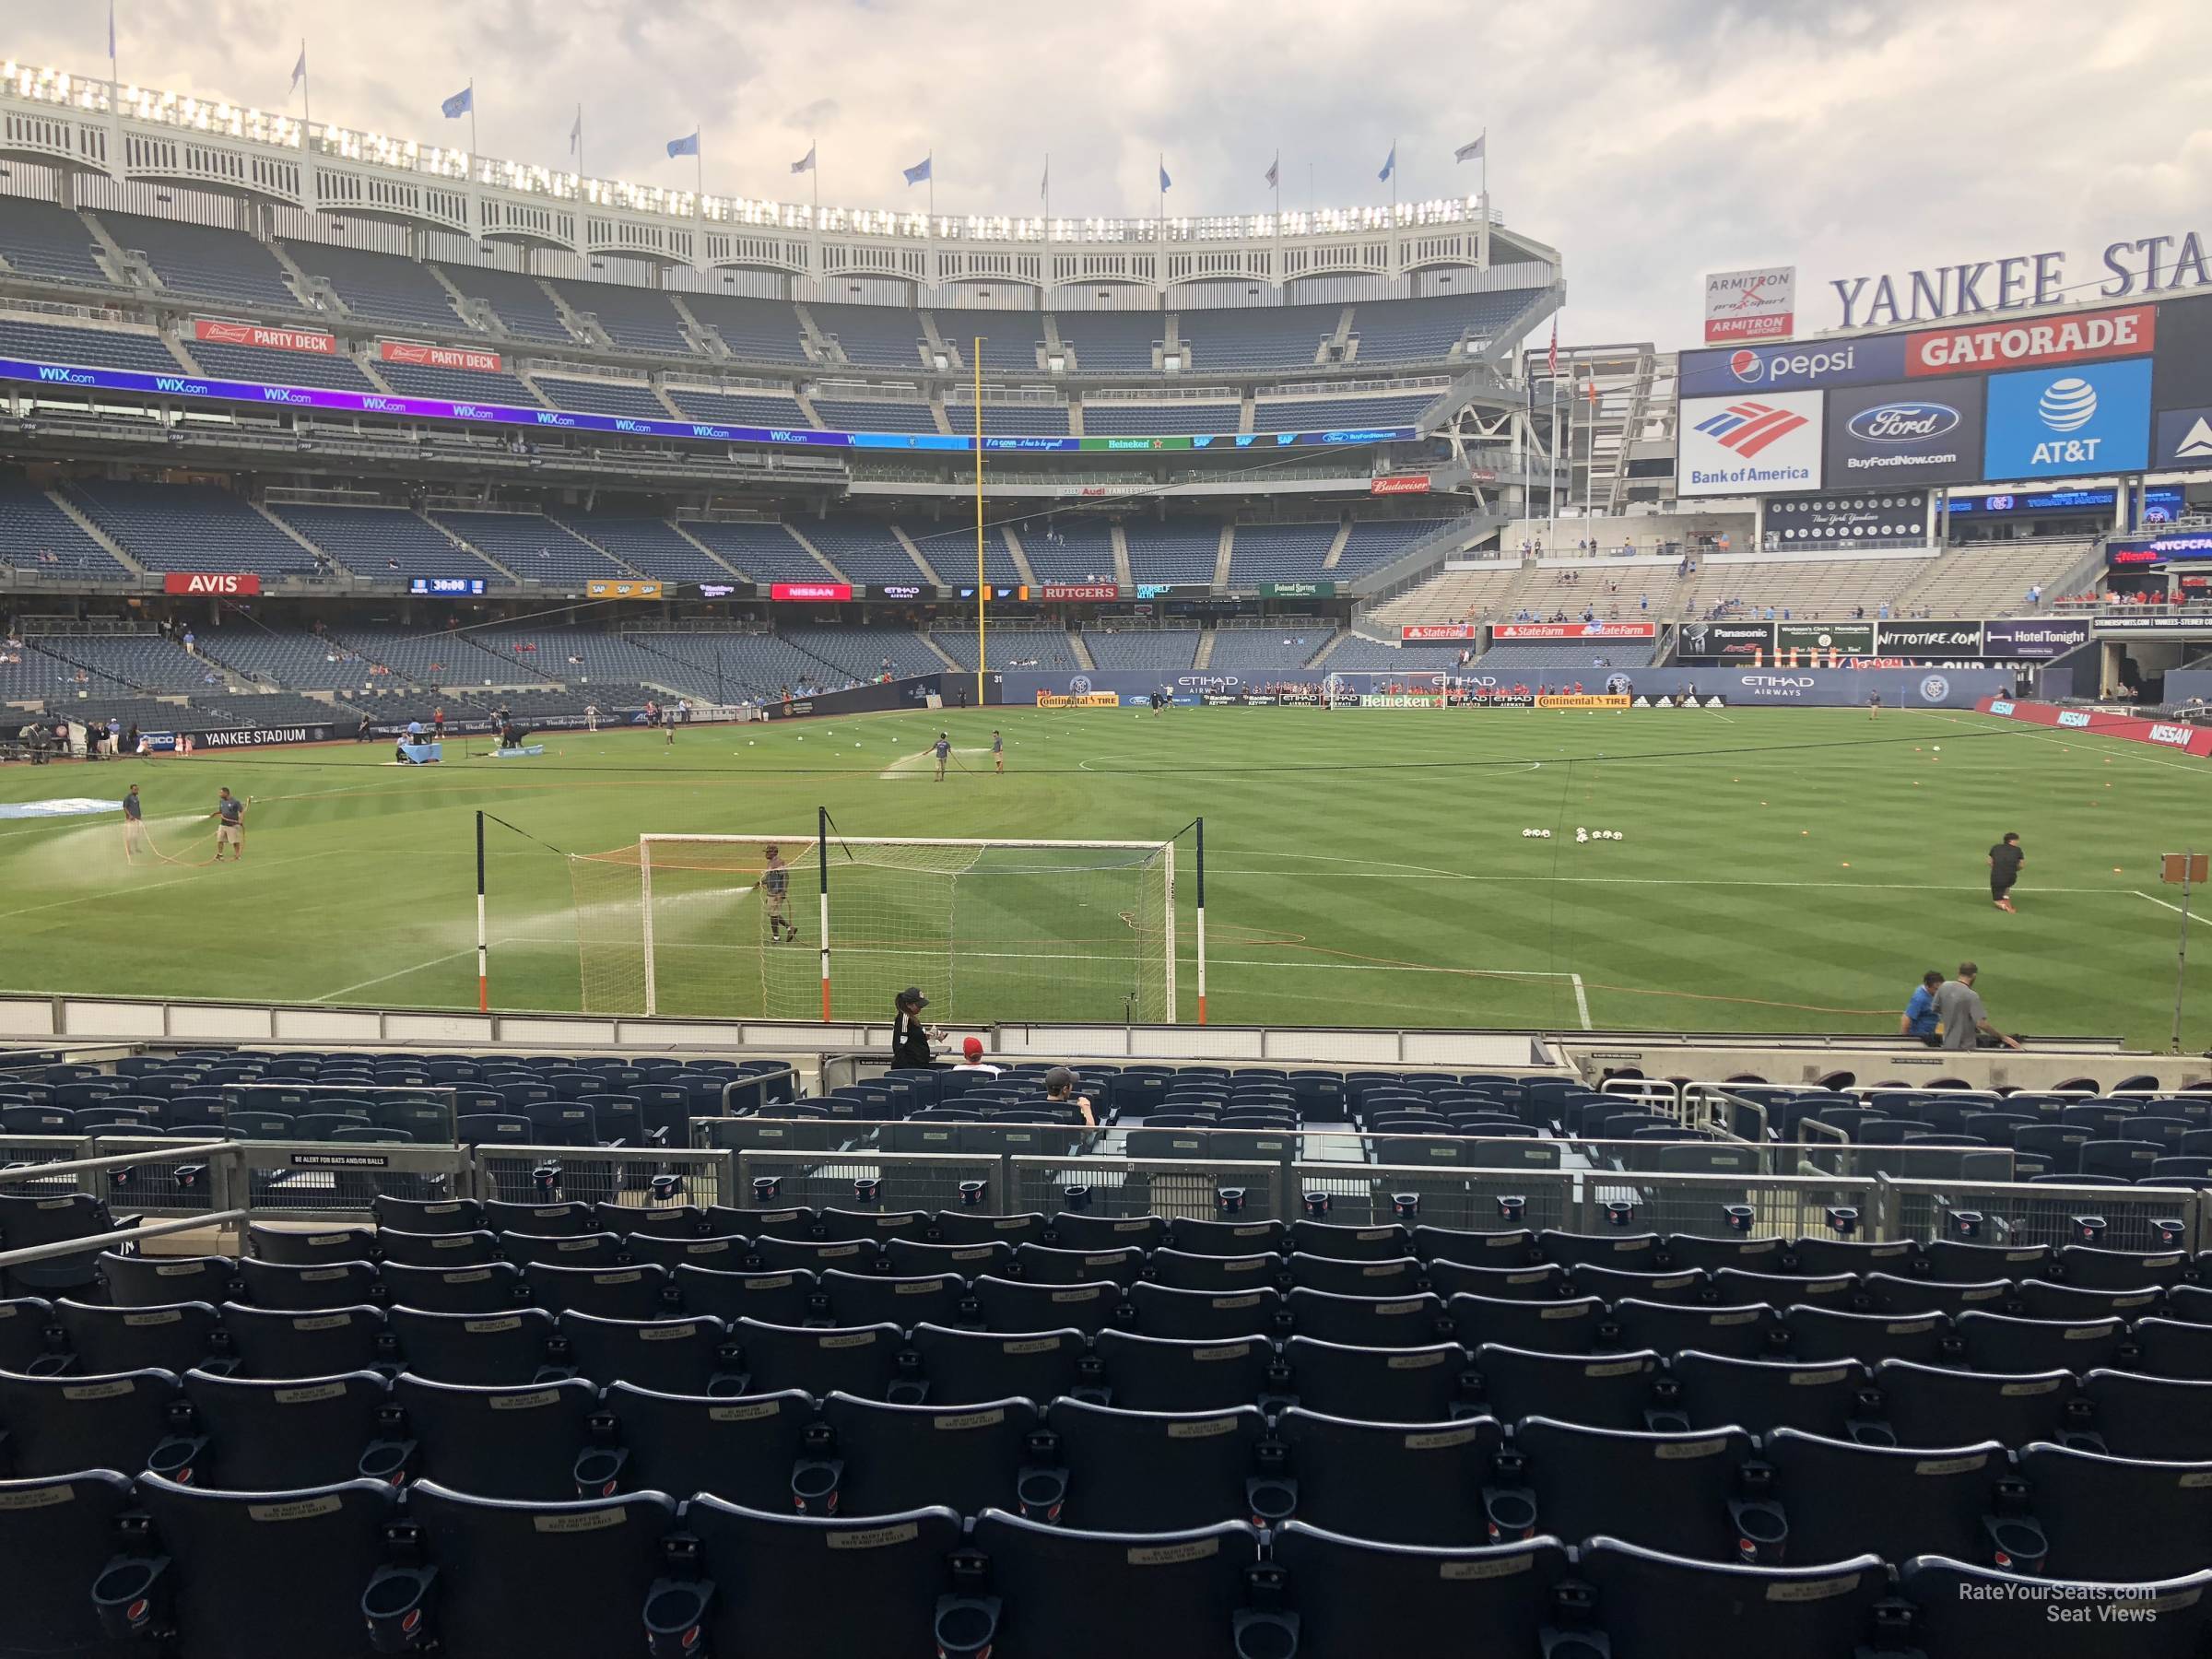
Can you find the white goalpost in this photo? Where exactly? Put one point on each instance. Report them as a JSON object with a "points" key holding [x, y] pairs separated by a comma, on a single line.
{"points": [[990, 929]]}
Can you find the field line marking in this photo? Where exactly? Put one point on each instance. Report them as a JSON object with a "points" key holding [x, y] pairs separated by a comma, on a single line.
{"points": [[381, 978], [1581, 1002], [2160, 903], [110, 893]]}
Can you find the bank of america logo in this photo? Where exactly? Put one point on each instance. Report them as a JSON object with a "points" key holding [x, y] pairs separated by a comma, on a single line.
{"points": [[1747, 428]]}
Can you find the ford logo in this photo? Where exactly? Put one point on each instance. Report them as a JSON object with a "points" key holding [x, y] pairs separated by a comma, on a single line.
{"points": [[1903, 422]]}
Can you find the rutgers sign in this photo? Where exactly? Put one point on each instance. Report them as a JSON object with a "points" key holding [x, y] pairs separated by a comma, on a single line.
{"points": [[209, 582], [1078, 591]]}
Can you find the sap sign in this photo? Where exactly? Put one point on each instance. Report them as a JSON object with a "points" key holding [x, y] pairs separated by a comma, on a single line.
{"points": [[1791, 368], [2054, 423]]}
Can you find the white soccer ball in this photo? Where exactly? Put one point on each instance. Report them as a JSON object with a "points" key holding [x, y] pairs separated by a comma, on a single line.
{"points": [[1581, 834], [1940, 749]]}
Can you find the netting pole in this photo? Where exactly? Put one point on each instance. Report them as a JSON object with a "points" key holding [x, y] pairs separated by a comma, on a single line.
{"points": [[1201, 861], [821, 858], [982, 590], [483, 944], [645, 889]]}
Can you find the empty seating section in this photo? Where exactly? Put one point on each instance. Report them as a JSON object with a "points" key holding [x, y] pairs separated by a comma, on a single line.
{"points": [[381, 287], [1032, 420], [756, 330], [1264, 336], [739, 667], [1117, 418], [39, 674], [1111, 342], [1041, 647], [1992, 578], [1420, 331], [1615, 590], [305, 661], [1147, 648], [739, 408], [1378, 541], [384, 542], [535, 548], [1449, 596], [191, 527], [1010, 341], [92, 348], [202, 261], [653, 546], [521, 304], [1274, 552], [766, 552], [1809, 587], [600, 397], [38, 537], [573, 654], [1069, 550], [882, 337], [951, 553], [279, 368], [47, 242], [634, 319], [1586, 657], [872, 415], [146, 661], [1330, 414], [860, 652], [1178, 550], [1368, 656], [459, 385], [1283, 649], [865, 550]]}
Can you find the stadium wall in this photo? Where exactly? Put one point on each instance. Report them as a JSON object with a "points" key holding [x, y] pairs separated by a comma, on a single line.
{"points": [[2183, 685], [1803, 687]]}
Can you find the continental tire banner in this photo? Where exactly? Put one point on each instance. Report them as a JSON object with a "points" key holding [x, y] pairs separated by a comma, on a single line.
{"points": [[1079, 700], [2174, 734], [1594, 700]]}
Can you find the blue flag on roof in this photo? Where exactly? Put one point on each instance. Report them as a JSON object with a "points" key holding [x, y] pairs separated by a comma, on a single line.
{"points": [[686, 145], [1390, 164], [805, 162], [919, 173], [459, 103], [1165, 182]]}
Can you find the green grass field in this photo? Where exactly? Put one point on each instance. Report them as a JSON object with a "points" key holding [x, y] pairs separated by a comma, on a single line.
{"points": [[1781, 870]]}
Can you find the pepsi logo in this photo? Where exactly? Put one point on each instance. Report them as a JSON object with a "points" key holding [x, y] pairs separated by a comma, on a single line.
{"points": [[1903, 422], [1745, 366]]}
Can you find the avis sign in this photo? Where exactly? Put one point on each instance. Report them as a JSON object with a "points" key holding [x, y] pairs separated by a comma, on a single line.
{"points": [[1751, 305], [244, 583]]}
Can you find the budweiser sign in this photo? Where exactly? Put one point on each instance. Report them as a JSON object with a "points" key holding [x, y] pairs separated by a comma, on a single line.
{"points": [[1401, 484], [438, 356], [1077, 591], [1437, 631], [210, 581], [268, 339], [1573, 630]]}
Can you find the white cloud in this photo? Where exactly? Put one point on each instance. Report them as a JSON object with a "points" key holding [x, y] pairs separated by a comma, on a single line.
{"points": [[1648, 142]]}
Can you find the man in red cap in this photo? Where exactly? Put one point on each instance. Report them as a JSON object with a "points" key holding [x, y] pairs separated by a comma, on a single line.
{"points": [[971, 1058]]}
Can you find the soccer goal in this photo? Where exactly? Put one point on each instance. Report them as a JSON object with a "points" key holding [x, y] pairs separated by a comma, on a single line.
{"points": [[700, 926]]}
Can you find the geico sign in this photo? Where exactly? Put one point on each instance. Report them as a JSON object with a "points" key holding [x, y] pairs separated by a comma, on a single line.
{"points": [[2178, 736]]}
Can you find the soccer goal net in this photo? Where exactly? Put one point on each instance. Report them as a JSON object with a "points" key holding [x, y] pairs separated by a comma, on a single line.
{"points": [[836, 925]]}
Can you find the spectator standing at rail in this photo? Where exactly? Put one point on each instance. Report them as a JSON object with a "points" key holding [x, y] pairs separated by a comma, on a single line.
{"points": [[1964, 1021], [1919, 1018]]}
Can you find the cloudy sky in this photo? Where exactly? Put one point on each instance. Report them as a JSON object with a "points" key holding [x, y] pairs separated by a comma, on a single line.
{"points": [[1648, 141]]}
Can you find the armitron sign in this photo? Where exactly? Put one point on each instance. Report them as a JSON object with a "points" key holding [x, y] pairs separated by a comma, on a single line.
{"points": [[210, 581]]}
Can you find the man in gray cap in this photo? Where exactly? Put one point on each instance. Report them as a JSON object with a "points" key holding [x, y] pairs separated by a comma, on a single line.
{"points": [[1060, 1090], [910, 1037]]}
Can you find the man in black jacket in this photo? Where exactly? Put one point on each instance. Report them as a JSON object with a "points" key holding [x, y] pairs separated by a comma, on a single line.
{"points": [[910, 1037]]}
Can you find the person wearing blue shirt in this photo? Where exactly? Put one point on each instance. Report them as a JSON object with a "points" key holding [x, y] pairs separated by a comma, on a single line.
{"points": [[1919, 1018]]}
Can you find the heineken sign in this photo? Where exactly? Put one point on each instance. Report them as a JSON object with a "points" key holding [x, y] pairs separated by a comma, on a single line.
{"points": [[1298, 590]]}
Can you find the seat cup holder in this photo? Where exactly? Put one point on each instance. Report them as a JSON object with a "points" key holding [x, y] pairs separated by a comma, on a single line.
{"points": [[595, 1473], [2020, 1544], [673, 1613], [1512, 1514], [812, 1482], [382, 1463], [1271, 1502], [123, 1596]]}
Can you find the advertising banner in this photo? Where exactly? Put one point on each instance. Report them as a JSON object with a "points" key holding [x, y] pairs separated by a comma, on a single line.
{"points": [[2185, 438], [1927, 432], [2033, 636], [1845, 639], [622, 590], [2056, 424], [1749, 446], [1751, 305], [2129, 331], [1439, 630], [801, 592], [728, 589], [1928, 639], [1720, 641], [1298, 590], [1615, 700], [438, 356], [209, 582], [2174, 547], [1401, 484], [1849, 518], [1574, 631], [1792, 368], [1078, 591], [2195, 740], [268, 339], [2185, 373], [1079, 700]]}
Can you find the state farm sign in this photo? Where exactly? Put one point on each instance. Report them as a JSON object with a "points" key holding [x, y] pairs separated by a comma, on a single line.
{"points": [[268, 339], [1573, 630], [2130, 331], [1437, 631], [210, 581], [438, 356]]}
